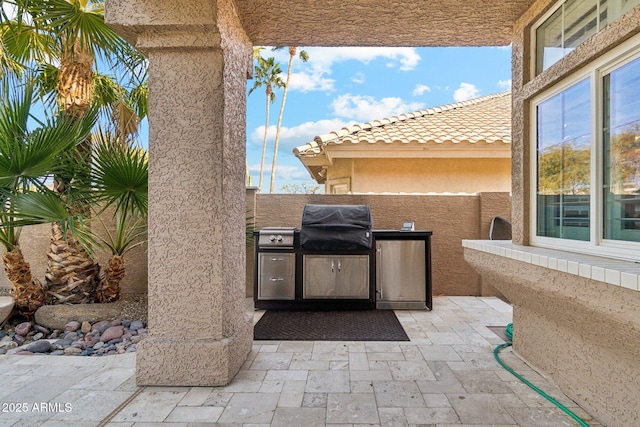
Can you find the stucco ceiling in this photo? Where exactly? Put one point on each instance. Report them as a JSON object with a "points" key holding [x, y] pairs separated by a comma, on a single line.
{"points": [[380, 22]]}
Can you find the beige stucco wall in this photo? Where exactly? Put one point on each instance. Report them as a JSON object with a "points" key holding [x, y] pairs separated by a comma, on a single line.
{"points": [[583, 333], [425, 175], [451, 218], [525, 86]]}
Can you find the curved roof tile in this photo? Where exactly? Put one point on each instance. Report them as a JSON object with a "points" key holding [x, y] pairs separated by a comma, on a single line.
{"points": [[484, 119]]}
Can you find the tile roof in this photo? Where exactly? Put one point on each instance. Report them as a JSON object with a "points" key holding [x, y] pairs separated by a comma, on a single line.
{"points": [[485, 119]]}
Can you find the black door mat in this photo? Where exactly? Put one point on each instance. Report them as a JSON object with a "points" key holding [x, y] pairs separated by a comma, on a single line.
{"points": [[365, 325]]}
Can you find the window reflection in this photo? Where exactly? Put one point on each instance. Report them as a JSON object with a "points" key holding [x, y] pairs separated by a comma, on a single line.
{"points": [[571, 24], [621, 136], [564, 143]]}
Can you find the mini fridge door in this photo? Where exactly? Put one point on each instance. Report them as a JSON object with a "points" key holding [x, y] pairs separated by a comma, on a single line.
{"points": [[401, 278]]}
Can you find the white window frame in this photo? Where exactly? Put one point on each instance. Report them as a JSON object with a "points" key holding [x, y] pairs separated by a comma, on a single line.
{"points": [[597, 245], [534, 29]]}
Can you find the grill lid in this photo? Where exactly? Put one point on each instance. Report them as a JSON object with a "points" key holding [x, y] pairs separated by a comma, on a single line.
{"points": [[336, 227]]}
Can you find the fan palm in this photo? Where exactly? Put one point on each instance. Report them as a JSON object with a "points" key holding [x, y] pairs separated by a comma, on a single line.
{"points": [[73, 35], [28, 160], [119, 181], [267, 74], [304, 56]]}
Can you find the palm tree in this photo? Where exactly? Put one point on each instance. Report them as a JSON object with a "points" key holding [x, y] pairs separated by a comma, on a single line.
{"points": [[27, 161], [72, 33], [119, 180], [304, 56], [267, 74]]}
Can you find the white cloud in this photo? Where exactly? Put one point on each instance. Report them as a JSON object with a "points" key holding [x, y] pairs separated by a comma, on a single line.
{"points": [[465, 91], [291, 137], [421, 89], [306, 81], [285, 172], [504, 84], [313, 75], [367, 108], [406, 57], [358, 78]]}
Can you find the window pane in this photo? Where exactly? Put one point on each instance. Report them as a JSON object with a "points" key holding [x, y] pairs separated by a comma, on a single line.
{"points": [[573, 23], [563, 150], [549, 42], [614, 9], [580, 22], [621, 136]]}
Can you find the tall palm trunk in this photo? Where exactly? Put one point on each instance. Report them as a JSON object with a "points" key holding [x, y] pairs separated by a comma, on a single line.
{"points": [[27, 292], [109, 286], [71, 272], [292, 54], [266, 132]]}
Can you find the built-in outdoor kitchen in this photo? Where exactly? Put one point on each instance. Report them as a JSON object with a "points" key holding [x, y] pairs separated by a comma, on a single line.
{"points": [[338, 261]]}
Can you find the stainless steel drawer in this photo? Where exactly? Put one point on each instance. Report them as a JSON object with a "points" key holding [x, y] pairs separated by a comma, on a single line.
{"points": [[277, 287], [276, 264]]}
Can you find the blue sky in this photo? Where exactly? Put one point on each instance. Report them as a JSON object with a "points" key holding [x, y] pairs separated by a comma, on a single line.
{"points": [[341, 86]]}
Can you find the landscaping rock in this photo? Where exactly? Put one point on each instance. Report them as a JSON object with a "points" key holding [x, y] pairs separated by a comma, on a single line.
{"points": [[135, 325], [8, 344], [23, 328], [41, 329], [86, 327], [74, 338], [57, 316], [61, 344], [42, 346], [72, 351], [112, 333], [100, 327], [72, 326]]}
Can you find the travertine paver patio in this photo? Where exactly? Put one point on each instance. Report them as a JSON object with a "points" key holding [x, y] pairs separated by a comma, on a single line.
{"points": [[446, 375]]}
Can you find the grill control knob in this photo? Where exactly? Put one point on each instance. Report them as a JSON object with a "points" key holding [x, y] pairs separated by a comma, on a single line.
{"points": [[272, 238], [279, 238]]}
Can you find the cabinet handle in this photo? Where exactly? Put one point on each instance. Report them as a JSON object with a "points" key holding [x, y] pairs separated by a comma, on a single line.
{"points": [[277, 259], [276, 279]]}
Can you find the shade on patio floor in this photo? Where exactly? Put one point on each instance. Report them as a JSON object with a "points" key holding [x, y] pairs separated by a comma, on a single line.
{"points": [[446, 375]]}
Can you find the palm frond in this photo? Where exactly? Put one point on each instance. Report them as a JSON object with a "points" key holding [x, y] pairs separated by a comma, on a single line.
{"points": [[129, 234], [71, 21], [120, 176]]}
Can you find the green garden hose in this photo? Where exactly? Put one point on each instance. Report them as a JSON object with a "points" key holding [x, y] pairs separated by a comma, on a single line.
{"points": [[509, 333]]}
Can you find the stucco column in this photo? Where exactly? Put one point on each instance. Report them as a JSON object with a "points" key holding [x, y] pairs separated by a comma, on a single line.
{"points": [[199, 58]]}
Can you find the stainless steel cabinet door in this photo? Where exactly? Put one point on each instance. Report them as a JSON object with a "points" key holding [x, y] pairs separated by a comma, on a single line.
{"points": [[401, 270], [319, 276], [330, 277], [352, 280]]}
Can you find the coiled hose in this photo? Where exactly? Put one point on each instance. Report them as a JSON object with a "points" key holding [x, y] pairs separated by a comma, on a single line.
{"points": [[509, 333]]}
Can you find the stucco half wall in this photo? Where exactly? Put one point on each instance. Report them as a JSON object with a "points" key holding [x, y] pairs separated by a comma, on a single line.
{"points": [[451, 218], [583, 333]]}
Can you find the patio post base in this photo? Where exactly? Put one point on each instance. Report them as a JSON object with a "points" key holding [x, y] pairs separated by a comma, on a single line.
{"points": [[162, 361]]}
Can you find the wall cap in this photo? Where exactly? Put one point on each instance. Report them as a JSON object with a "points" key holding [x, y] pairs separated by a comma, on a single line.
{"points": [[608, 270]]}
